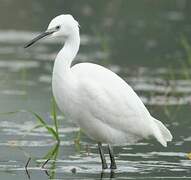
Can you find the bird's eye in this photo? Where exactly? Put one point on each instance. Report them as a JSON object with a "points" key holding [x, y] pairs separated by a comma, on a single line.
{"points": [[57, 27]]}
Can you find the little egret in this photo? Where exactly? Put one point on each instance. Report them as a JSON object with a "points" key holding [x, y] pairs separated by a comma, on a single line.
{"points": [[104, 106]]}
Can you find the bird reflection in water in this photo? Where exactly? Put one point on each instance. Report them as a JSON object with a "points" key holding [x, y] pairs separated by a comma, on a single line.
{"points": [[49, 165]]}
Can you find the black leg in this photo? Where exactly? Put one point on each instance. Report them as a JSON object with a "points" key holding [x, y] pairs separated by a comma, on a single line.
{"points": [[112, 174], [102, 175], [112, 158], [103, 161]]}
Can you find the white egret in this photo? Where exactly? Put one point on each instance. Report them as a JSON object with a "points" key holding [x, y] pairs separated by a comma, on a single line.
{"points": [[104, 106]]}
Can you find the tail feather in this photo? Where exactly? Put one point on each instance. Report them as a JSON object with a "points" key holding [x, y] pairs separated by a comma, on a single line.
{"points": [[161, 133]]}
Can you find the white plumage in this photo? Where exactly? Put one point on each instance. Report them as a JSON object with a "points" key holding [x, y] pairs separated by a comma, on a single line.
{"points": [[105, 106], [98, 100]]}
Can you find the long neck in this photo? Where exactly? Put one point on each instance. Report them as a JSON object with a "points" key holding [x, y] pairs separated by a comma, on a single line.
{"points": [[67, 54]]}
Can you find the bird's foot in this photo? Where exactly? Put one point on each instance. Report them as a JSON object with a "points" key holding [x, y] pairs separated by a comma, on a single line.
{"points": [[104, 166], [113, 166]]}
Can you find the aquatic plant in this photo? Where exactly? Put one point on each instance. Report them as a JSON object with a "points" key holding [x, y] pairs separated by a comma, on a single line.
{"points": [[186, 63], [185, 44], [42, 123]]}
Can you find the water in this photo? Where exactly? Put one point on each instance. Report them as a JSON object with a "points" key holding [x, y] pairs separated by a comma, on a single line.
{"points": [[145, 43]]}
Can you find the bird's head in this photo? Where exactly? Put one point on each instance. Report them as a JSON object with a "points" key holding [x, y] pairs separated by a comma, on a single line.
{"points": [[61, 26]]}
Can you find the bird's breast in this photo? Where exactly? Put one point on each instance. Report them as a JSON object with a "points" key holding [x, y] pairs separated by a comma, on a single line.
{"points": [[65, 93]]}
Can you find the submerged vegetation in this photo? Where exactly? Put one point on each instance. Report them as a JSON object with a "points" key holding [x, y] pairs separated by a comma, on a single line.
{"points": [[53, 130]]}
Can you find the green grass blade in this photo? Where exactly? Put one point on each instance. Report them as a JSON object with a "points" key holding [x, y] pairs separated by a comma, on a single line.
{"points": [[50, 129], [78, 137], [33, 128], [52, 151], [41, 121], [54, 114], [187, 48], [12, 112]]}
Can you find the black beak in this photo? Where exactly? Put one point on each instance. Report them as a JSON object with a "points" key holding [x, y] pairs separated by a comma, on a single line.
{"points": [[44, 34]]}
